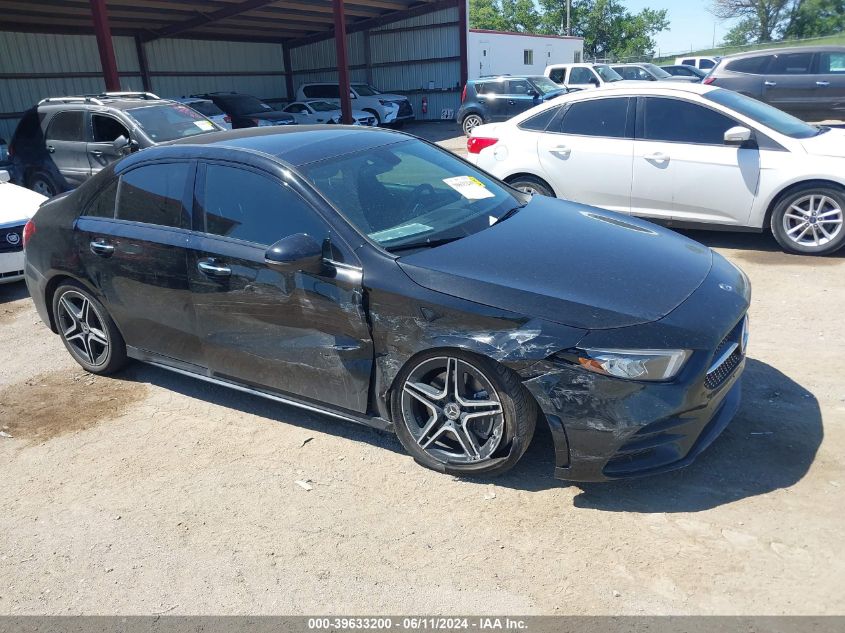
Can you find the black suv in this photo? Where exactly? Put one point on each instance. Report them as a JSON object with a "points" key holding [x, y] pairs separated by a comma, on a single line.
{"points": [[498, 98], [247, 111], [63, 141]]}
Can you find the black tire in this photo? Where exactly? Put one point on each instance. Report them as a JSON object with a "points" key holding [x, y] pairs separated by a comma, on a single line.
{"points": [[532, 185], [89, 334], [375, 114], [43, 183], [809, 220], [505, 436], [470, 121]]}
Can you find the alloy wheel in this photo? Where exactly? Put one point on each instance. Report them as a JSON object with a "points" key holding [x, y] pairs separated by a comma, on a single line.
{"points": [[42, 187], [83, 328], [470, 122], [813, 220], [452, 411]]}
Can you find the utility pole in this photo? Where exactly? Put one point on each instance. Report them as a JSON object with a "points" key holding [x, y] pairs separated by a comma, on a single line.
{"points": [[568, 23]]}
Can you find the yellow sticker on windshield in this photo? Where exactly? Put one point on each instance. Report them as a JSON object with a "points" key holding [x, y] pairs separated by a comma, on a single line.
{"points": [[205, 126], [469, 187]]}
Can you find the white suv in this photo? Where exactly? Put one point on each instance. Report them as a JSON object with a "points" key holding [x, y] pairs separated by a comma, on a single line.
{"points": [[387, 108], [582, 76], [702, 63]]}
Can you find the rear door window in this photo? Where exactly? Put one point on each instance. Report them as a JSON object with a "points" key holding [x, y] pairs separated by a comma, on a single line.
{"points": [[67, 126], [154, 194], [102, 206], [597, 117], [491, 88], [676, 121], [750, 65], [706, 64], [519, 87]]}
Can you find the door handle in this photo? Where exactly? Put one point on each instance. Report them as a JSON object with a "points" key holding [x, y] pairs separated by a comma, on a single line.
{"points": [[657, 157], [770, 84], [561, 151], [510, 102], [102, 248], [212, 269], [51, 149], [823, 84], [96, 152]]}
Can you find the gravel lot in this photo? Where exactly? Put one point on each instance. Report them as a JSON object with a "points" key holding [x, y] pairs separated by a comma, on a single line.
{"points": [[151, 492]]}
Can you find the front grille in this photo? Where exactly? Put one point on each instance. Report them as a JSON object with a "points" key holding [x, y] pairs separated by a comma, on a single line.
{"points": [[727, 357], [405, 108], [11, 239]]}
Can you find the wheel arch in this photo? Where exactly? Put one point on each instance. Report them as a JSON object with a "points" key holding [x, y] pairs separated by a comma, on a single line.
{"points": [[788, 189], [50, 291], [528, 174]]}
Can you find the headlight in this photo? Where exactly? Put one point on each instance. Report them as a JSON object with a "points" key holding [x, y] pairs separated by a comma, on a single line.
{"points": [[629, 364]]}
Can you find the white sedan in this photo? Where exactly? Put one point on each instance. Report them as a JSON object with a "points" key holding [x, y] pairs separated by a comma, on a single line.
{"points": [[683, 155], [316, 112], [17, 206]]}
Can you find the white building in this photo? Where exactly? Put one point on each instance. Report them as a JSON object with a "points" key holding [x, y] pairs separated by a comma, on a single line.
{"points": [[498, 53]]}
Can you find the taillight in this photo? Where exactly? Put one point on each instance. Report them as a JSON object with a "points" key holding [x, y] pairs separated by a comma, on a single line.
{"points": [[28, 232], [464, 94], [708, 80], [477, 143]]}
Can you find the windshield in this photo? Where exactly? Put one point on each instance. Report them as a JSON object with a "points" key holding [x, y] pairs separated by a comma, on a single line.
{"points": [[657, 71], [545, 85], [206, 107], [410, 193], [365, 90], [323, 106], [169, 122], [245, 104], [769, 116], [607, 73]]}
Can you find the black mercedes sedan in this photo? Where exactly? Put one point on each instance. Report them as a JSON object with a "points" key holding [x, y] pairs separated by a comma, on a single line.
{"points": [[371, 276]]}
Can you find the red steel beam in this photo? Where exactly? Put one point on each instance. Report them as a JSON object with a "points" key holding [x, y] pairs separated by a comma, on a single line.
{"points": [[342, 61], [104, 43]]}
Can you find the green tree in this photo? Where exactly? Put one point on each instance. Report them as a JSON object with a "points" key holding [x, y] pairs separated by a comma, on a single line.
{"points": [[743, 32], [487, 14], [608, 28], [765, 15], [816, 18], [521, 16]]}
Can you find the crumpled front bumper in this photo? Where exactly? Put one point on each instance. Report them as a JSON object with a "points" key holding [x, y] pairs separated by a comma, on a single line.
{"points": [[607, 429]]}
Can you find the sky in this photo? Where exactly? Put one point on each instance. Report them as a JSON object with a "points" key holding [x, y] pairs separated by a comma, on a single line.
{"points": [[691, 25]]}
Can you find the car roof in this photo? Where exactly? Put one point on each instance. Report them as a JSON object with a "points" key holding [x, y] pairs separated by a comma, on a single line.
{"points": [[653, 86], [105, 104], [294, 145], [788, 49]]}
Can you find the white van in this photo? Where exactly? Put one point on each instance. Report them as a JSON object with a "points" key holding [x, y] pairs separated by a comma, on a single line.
{"points": [[581, 76], [704, 63]]}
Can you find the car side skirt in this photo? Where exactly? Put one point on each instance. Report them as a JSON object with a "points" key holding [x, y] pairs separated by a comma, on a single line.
{"points": [[705, 226], [197, 372]]}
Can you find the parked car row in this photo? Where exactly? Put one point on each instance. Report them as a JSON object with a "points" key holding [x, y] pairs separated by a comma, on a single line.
{"points": [[63, 141], [681, 154]]}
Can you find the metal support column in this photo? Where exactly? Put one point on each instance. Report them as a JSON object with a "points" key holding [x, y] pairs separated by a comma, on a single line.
{"points": [[105, 44], [342, 61]]}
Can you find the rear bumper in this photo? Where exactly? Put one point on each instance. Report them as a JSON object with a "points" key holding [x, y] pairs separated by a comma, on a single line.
{"points": [[36, 283], [606, 429]]}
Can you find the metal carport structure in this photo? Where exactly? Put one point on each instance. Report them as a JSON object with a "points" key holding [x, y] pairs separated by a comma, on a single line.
{"points": [[300, 28]]}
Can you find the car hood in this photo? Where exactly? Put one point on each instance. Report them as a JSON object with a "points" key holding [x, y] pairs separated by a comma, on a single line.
{"points": [[568, 263], [17, 205], [831, 143]]}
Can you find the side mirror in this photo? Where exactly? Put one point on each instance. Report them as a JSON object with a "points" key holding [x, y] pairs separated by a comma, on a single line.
{"points": [[121, 142], [737, 136], [594, 81], [533, 93], [5, 176], [295, 252]]}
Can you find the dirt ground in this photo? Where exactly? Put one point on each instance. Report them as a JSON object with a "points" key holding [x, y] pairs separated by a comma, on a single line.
{"points": [[151, 492]]}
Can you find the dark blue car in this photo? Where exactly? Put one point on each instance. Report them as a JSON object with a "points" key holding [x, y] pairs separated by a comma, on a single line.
{"points": [[490, 99]]}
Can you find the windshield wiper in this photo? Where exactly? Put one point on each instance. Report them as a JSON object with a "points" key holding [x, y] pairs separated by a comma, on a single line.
{"points": [[426, 244], [507, 215]]}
